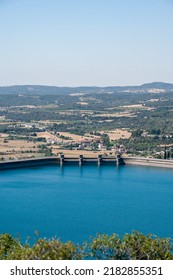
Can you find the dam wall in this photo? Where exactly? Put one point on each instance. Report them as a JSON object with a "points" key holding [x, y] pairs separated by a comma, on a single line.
{"points": [[139, 161], [28, 162], [61, 160], [100, 160]]}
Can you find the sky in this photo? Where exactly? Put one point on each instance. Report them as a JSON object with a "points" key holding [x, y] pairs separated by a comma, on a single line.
{"points": [[86, 42]]}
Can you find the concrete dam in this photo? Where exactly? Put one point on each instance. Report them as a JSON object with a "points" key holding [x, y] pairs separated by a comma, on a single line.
{"points": [[82, 160]]}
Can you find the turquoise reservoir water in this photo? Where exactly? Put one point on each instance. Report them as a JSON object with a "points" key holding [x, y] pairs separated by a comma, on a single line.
{"points": [[74, 203]]}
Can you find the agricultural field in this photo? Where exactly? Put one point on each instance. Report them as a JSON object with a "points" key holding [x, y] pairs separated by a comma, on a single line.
{"points": [[91, 120]]}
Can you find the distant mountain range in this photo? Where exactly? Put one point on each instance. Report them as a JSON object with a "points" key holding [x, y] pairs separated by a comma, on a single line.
{"points": [[155, 87]]}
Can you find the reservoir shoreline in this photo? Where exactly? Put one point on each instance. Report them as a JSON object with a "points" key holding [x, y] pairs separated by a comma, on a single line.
{"points": [[128, 161]]}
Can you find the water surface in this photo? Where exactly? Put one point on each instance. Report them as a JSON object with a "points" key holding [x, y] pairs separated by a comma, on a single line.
{"points": [[74, 203]]}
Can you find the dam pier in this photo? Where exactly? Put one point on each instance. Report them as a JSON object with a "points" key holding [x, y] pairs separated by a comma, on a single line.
{"points": [[118, 160]]}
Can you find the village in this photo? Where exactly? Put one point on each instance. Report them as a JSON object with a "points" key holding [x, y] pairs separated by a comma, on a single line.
{"points": [[41, 141]]}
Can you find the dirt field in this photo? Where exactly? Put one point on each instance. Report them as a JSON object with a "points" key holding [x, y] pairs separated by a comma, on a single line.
{"points": [[77, 111], [16, 144], [79, 152], [133, 106], [78, 138], [3, 135], [116, 115], [49, 122], [73, 137], [47, 135], [17, 148], [118, 134], [136, 106]]}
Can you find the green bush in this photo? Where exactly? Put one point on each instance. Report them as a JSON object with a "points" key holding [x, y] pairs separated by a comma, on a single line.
{"points": [[8, 246], [134, 246]]}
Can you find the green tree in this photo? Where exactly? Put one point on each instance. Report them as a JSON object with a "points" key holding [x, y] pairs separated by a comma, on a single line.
{"points": [[137, 133], [105, 139]]}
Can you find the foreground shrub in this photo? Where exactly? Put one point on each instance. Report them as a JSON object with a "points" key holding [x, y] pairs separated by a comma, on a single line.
{"points": [[8, 245], [55, 250], [11, 249], [134, 246]]}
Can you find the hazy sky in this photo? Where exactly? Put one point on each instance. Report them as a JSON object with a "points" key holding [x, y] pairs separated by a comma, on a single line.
{"points": [[86, 42]]}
